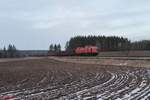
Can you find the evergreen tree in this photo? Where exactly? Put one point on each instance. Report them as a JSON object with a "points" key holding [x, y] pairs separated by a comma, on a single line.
{"points": [[67, 46], [59, 48], [55, 48], [11, 51], [111, 43], [5, 54], [51, 48]]}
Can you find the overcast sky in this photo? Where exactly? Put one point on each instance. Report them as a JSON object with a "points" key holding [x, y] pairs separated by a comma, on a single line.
{"points": [[34, 24]]}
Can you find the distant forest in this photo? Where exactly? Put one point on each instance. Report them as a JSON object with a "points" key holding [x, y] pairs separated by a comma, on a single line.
{"points": [[9, 52], [107, 43], [104, 43]]}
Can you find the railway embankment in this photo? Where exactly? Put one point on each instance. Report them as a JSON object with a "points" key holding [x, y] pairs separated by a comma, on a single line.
{"points": [[117, 61], [140, 53]]}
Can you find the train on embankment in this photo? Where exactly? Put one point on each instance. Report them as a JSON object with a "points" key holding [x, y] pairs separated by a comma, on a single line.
{"points": [[80, 51]]}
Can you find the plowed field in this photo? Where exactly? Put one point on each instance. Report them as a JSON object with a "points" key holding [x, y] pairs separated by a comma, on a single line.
{"points": [[48, 79]]}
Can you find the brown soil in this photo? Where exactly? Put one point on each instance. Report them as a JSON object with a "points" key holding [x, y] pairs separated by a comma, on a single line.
{"points": [[49, 79]]}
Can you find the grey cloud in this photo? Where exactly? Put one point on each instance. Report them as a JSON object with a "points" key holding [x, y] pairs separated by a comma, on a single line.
{"points": [[51, 21]]}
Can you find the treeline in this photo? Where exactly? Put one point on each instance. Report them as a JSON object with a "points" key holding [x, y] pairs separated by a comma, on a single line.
{"points": [[141, 45], [9, 52], [104, 43], [54, 48]]}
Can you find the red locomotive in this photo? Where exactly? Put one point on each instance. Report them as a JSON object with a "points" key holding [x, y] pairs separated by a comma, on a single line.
{"points": [[86, 51]]}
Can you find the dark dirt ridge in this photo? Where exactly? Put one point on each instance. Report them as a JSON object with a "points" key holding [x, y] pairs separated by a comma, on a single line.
{"points": [[48, 79]]}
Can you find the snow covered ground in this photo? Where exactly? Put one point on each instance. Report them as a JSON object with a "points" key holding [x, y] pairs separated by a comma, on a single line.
{"points": [[50, 79]]}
